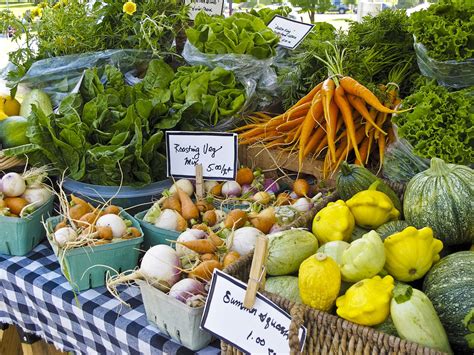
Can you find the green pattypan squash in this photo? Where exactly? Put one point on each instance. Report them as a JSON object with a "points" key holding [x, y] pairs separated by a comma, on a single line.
{"points": [[364, 258]]}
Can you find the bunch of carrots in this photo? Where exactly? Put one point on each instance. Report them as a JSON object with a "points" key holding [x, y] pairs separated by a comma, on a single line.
{"points": [[337, 117]]}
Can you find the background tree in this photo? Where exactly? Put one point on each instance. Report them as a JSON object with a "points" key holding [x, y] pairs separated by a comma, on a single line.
{"points": [[312, 6]]}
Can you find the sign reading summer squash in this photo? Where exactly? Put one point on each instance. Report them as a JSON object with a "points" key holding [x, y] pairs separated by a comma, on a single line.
{"points": [[291, 32], [216, 152], [210, 7], [264, 329]]}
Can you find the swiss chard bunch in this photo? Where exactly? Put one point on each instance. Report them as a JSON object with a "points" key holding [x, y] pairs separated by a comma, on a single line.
{"points": [[446, 29], [441, 124], [240, 33]]}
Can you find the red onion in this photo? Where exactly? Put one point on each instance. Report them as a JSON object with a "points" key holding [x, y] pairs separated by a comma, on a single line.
{"points": [[185, 289]]}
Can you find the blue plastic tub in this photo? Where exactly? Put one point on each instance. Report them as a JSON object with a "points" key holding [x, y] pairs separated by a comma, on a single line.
{"points": [[87, 267], [18, 236], [154, 235], [134, 199]]}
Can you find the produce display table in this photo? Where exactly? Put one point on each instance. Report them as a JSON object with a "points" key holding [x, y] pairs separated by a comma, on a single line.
{"points": [[35, 296]]}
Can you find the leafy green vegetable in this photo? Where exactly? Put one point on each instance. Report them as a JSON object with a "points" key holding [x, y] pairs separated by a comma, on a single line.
{"points": [[440, 125], [240, 33], [267, 14], [446, 29]]}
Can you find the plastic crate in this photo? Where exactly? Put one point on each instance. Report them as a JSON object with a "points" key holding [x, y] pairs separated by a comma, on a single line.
{"points": [[87, 267], [134, 198], [154, 235], [18, 236], [174, 318]]}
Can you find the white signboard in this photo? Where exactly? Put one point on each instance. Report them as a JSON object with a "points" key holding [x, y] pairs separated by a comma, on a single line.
{"points": [[291, 32], [264, 329], [217, 152], [210, 7]]}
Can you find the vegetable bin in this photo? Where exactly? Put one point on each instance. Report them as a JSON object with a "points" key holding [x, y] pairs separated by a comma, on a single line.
{"points": [[87, 267], [18, 236], [154, 235], [126, 196], [174, 318]]}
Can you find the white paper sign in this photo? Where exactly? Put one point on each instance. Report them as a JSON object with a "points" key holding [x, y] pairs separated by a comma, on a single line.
{"points": [[217, 152], [262, 330], [291, 32], [210, 7]]}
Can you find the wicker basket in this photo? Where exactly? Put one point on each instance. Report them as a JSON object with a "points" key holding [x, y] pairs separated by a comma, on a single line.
{"points": [[9, 162], [327, 333]]}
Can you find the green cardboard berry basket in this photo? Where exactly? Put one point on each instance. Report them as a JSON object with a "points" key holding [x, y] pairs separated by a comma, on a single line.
{"points": [[154, 235], [87, 267], [18, 236]]}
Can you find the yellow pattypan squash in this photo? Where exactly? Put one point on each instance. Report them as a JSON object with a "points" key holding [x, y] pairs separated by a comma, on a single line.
{"points": [[333, 222], [372, 208], [364, 258], [367, 302], [10, 106], [319, 281], [411, 253]]}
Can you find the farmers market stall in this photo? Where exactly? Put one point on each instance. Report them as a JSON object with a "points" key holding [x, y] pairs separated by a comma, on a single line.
{"points": [[37, 297], [177, 178]]}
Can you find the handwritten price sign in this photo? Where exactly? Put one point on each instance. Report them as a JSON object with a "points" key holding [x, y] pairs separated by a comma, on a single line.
{"points": [[210, 7], [217, 152], [291, 32], [264, 329]]}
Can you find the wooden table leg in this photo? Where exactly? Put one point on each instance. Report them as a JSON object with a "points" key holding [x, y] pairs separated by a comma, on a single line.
{"points": [[27, 341]]}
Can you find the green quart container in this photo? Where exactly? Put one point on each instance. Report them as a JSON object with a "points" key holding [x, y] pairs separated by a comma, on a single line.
{"points": [[154, 235], [18, 236], [87, 267]]}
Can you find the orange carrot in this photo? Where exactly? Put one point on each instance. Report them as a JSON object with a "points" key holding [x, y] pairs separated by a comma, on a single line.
{"points": [[290, 124], [345, 108], [327, 92], [359, 105], [315, 139], [188, 208], [364, 151], [351, 86], [204, 270], [201, 246], [331, 126], [312, 117], [309, 97]]}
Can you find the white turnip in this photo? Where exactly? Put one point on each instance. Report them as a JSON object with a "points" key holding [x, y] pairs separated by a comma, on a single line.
{"points": [[117, 224], [13, 185]]}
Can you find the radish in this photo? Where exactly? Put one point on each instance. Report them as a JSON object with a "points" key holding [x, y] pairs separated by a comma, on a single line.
{"points": [[183, 184], [160, 267], [117, 224], [185, 289], [231, 189], [13, 185], [65, 235]]}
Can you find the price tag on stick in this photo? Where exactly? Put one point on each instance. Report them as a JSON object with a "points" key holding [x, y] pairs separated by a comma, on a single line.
{"points": [[291, 32], [216, 152]]}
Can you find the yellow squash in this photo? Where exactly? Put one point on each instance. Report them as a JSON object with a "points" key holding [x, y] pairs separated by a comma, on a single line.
{"points": [[372, 208], [411, 253], [333, 222], [10, 106], [367, 302], [319, 281]]}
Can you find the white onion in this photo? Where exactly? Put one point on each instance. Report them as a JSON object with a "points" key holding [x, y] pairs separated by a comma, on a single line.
{"points": [[65, 235], [13, 185], [161, 266], [231, 189], [187, 236], [183, 184], [118, 226], [185, 289], [244, 239]]}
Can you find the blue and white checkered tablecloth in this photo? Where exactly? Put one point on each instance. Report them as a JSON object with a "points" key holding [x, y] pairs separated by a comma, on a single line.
{"points": [[35, 296]]}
